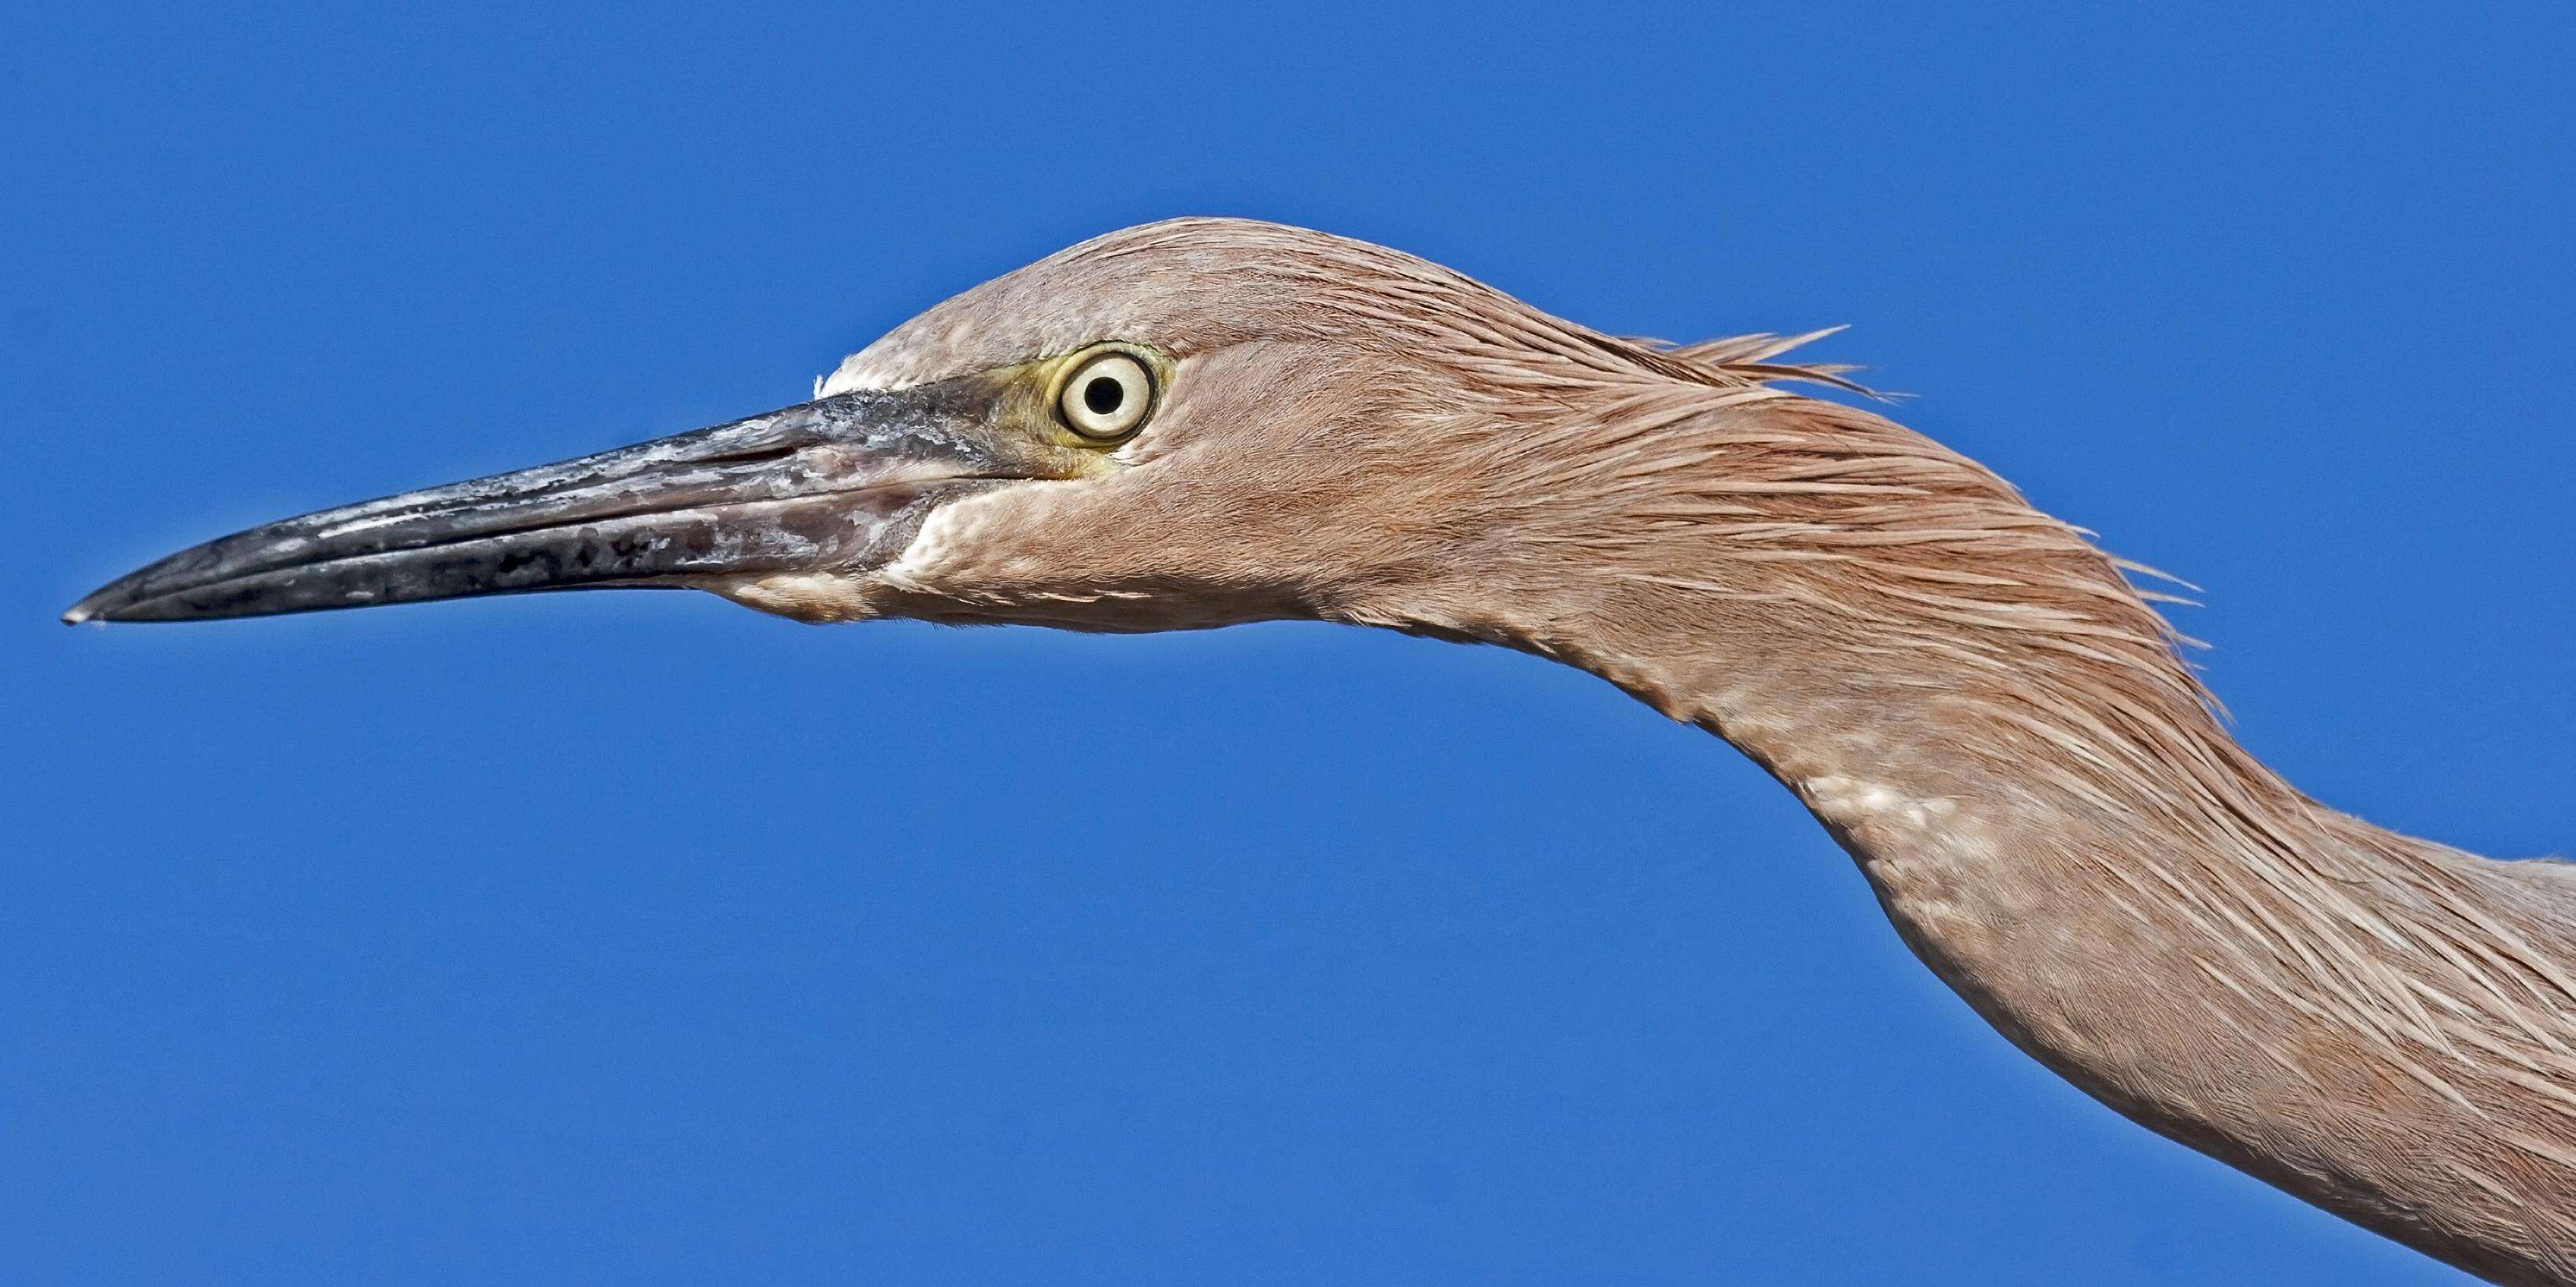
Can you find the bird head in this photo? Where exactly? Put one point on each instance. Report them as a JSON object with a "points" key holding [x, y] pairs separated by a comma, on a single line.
{"points": [[1185, 424]]}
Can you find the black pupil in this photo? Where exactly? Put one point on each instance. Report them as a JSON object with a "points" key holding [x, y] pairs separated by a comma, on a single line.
{"points": [[1103, 395]]}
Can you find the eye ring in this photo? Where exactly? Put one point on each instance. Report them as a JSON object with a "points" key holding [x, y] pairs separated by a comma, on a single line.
{"points": [[1107, 397]]}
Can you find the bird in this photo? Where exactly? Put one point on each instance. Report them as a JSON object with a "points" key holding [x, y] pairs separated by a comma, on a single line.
{"points": [[1201, 422]]}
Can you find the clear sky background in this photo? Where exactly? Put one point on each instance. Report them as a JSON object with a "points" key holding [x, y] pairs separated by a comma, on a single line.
{"points": [[639, 938]]}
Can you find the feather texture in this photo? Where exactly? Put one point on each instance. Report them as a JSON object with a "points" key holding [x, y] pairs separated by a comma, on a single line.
{"points": [[1973, 698]]}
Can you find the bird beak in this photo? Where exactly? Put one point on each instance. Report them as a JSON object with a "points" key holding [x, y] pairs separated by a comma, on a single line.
{"points": [[838, 484]]}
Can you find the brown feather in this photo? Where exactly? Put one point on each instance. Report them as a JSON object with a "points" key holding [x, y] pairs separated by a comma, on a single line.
{"points": [[1970, 696]]}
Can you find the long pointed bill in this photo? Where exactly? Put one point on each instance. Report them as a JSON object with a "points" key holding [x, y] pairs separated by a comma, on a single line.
{"points": [[836, 484]]}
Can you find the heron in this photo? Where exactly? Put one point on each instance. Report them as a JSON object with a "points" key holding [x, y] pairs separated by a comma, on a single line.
{"points": [[1202, 422]]}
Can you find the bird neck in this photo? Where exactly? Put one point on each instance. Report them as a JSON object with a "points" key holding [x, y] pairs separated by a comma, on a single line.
{"points": [[1982, 711]]}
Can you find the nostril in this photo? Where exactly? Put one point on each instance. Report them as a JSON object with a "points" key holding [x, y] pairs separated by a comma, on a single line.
{"points": [[745, 456]]}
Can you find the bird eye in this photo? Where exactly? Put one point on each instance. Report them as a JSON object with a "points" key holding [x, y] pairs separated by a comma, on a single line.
{"points": [[1108, 397]]}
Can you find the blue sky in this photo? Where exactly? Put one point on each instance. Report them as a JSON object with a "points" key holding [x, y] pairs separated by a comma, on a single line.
{"points": [[638, 938]]}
